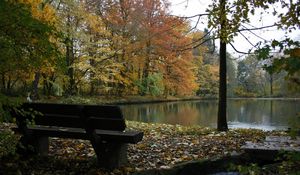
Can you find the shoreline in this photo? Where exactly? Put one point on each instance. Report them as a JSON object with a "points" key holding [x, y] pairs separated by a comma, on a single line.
{"points": [[128, 100]]}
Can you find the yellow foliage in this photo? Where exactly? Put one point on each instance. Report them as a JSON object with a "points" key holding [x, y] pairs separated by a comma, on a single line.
{"points": [[214, 70], [96, 24], [41, 11]]}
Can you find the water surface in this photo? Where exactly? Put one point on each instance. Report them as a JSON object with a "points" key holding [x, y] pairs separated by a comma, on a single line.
{"points": [[267, 114]]}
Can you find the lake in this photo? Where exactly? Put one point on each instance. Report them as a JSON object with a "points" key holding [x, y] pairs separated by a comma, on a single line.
{"points": [[266, 114]]}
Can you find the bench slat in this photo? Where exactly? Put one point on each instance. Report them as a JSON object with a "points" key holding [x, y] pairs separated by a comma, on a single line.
{"points": [[49, 108], [107, 124], [104, 111], [59, 120], [77, 133], [68, 115]]}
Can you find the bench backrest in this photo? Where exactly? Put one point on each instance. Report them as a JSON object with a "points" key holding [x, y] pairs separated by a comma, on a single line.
{"points": [[78, 116]]}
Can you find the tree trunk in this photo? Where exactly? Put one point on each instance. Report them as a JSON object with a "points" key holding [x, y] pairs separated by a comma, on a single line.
{"points": [[146, 69], [35, 86], [70, 60], [271, 85], [2, 83], [48, 84], [92, 76], [222, 111]]}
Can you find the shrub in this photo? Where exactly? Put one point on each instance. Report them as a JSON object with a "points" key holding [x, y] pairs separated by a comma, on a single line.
{"points": [[8, 142]]}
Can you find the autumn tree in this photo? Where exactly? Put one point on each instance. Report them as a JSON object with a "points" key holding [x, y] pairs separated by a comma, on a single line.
{"points": [[83, 41], [25, 44], [26, 40], [147, 44], [206, 61], [118, 18]]}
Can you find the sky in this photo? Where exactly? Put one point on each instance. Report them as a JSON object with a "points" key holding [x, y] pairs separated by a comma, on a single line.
{"points": [[193, 7]]}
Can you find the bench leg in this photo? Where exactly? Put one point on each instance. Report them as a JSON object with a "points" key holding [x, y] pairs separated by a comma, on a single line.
{"points": [[33, 145], [112, 155], [25, 146], [42, 145]]}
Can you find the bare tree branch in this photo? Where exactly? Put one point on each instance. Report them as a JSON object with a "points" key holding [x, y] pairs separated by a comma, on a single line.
{"points": [[255, 34], [199, 38], [257, 28], [247, 39], [241, 52], [197, 45], [193, 16], [195, 26]]}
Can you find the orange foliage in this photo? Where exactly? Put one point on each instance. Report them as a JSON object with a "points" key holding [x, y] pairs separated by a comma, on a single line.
{"points": [[295, 52], [150, 43]]}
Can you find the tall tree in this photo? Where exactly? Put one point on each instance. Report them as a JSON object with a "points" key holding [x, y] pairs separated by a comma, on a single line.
{"points": [[147, 44], [220, 8], [25, 40], [85, 45], [228, 17], [25, 44]]}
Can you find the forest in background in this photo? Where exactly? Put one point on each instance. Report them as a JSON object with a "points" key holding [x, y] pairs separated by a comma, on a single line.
{"points": [[118, 48]]}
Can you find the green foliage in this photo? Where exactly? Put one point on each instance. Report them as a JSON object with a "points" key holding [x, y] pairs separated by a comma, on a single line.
{"points": [[295, 126], [8, 142], [251, 169], [287, 61], [264, 53], [152, 85], [293, 156], [10, 103], [291, 163], [231, 75], [22, 35], [77, 100], [249, 77], [25, 43], [5, 102], [242, 92], [290, 62]]}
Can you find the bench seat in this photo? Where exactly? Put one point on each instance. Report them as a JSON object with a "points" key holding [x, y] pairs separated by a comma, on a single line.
{"points": [[78, 133]]}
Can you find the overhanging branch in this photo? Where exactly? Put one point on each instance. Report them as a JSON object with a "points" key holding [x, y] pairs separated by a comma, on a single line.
{"points": [[257, 28], [254, 34], [247, 39], [241, 52], [195, 46], [193, 16], [199, 38]]}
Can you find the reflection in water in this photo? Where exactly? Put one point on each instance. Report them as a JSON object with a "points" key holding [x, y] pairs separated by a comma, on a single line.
{"points": [[242, 113]]}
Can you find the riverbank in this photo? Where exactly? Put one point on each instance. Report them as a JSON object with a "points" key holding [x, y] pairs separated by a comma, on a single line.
{"points": [[121, 100], [163, 146], [117, 100]]}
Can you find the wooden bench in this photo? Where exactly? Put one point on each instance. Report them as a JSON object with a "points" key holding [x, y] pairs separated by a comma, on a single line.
{"points": [[104, 126]]}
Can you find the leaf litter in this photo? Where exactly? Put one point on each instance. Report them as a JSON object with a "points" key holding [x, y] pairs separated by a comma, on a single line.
{"points": [[162, 147]]}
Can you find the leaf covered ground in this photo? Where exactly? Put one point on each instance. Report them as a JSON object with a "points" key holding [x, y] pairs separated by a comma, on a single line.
{"points": [[163, 146]]}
